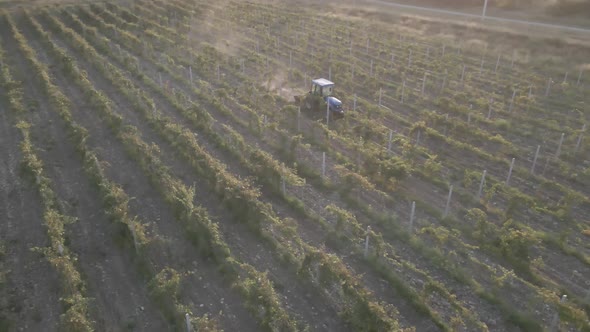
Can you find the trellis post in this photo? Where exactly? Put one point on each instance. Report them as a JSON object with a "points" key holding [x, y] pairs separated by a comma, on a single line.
{"points": [[580, 138], [187, 320], [512, 101], [446, 213], [403, 89], [390, 140], [558, 152], [367, 242], [483, 179], [510, 171]]}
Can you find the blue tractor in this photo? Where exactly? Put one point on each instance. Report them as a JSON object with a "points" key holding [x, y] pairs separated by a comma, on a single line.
{"points": [[320, 99]]}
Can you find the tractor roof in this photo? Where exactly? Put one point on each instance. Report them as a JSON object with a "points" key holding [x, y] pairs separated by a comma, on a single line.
{"points": [[322, 82]]}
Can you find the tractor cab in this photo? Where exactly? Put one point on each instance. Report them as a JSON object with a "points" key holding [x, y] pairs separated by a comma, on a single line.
{"points": [[322, 87], [320, 95]]}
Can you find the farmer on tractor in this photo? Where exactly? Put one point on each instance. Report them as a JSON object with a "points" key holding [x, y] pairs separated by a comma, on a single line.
{"points": [[320, 98]]}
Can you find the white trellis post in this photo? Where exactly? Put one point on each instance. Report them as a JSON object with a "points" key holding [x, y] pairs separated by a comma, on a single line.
{"points": [[530, 91], [535, 159], [483, 180], [512, 101], [580, 138], [418, 133], [187, 320], [490, 109], [497, 63], [446, 213], [443, 49], [371, 70], [403, 89], [555, 321], [367, 242], [390, 140], [190, 72], [218, 73], [481, 66], [412, 212], [558, 152], [510, 171], [565, 77], [548, 89], [485, 7], [423, 83], [380, 95], [134, 236], [579, 77], [392, 58]]}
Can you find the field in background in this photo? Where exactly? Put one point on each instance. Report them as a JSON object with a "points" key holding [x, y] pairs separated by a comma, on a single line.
{"points": [[157, 174]]}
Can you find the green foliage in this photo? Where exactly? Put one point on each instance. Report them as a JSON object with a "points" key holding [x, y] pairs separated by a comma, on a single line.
{"points": [[165, 283], [516, 242], [478, 218]]}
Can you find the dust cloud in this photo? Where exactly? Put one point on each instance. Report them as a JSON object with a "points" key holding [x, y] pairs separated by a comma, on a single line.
{"points": [[278, 84]]}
